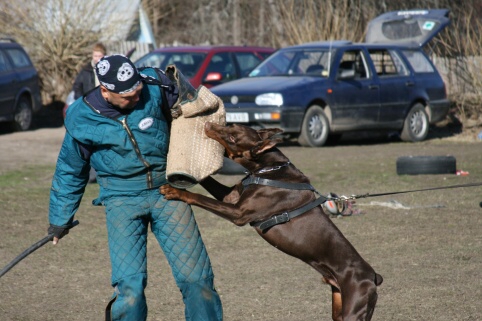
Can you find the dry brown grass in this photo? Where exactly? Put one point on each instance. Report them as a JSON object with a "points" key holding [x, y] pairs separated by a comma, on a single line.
{"points": [[429, 256]]}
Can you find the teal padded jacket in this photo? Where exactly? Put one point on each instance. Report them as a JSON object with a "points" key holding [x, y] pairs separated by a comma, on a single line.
{"points": [[129, 152]]}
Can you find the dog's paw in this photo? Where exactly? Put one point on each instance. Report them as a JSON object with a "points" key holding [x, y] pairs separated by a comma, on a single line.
{"points": [[170, 193]]}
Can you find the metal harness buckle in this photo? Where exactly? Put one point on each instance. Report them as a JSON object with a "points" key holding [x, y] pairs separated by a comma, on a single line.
{"points": [[282, 218], [275, 220]]}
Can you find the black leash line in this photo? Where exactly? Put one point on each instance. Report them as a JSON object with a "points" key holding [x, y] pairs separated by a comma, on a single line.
{"points": [[411, 191]]}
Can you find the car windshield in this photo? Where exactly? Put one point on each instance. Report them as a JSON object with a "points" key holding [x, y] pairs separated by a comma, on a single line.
{"points": [[187, 62], [295, 62]]}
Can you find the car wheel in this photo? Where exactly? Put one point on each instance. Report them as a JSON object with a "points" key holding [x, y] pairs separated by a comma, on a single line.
{"points": [[417, 165], [416, 126], [315, 128], [23, 115]]}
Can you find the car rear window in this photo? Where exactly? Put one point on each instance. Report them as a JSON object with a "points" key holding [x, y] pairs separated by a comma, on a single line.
{"points": [[418, 61]]}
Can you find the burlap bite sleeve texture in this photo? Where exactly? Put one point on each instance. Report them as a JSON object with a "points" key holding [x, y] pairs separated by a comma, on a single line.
{"points": [[192, 155]]}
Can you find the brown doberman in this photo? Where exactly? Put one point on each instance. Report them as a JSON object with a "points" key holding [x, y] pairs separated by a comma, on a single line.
{"points": [[278, 200]]}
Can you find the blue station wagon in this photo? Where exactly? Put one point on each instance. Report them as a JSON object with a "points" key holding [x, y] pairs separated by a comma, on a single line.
{"points": [[318, 91]]}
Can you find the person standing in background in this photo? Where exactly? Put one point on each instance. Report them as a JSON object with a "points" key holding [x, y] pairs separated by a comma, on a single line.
{"points": [[87, 80]]}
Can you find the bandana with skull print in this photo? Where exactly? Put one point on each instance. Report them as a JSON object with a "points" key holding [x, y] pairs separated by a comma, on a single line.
{"points": [[118, 74]]}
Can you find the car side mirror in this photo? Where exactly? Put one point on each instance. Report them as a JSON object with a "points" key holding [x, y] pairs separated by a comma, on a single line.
{"points": [[347, 74]]}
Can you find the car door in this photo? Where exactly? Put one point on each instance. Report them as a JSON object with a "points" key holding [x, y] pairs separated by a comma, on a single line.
{"points": [[355, 92], [395, 83], [8, 86]]}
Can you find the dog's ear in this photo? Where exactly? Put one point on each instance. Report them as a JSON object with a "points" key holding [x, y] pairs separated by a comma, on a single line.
{"points": [[266, 133], [263, 146]]}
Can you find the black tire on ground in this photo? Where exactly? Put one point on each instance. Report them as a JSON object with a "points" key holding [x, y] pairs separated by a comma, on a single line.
{"points": [[416, 125], [315, 128], [23, 115], [230, 167], [419, 165]]}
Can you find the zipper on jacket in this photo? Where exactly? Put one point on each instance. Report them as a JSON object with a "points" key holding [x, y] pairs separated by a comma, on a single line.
{"points": [[138, 152]]}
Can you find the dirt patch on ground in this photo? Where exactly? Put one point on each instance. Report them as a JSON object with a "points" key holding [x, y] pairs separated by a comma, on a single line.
{"points": [[429, 249], [36, 147], [39, 146]]}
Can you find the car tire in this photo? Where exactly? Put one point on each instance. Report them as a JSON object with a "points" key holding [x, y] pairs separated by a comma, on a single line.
{"points": [[315, 128], [419, 165], [416, 125], [23, 115]]}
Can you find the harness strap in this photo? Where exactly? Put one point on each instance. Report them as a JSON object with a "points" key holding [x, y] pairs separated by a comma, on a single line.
{"points": [[254, 180], [286, 216]]}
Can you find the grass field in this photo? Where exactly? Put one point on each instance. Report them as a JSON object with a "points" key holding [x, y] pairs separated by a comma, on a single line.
{"points": [[429, 252]]}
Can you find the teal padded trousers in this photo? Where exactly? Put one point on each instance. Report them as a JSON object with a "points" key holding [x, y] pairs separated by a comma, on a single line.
{"points": [[175, 228]]}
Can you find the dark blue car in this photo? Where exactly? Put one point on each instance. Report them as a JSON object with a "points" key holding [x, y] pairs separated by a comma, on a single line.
{"points": [[316, 91]]}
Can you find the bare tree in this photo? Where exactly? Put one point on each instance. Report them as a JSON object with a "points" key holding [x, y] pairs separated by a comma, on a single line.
{"points": [[58, 36], [306, 21]]}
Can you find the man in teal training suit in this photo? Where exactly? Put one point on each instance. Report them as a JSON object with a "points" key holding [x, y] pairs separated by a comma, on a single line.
{"points": [[120, 129]]}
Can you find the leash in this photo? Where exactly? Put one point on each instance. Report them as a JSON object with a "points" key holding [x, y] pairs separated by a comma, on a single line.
{"points": [[353, 197], [333, 200]]}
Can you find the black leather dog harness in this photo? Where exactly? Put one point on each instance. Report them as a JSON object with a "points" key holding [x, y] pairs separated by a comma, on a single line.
{"points": [[286, 216]]}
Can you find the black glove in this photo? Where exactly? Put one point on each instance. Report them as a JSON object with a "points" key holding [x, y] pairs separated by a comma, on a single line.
{"points": [[58, 231]]}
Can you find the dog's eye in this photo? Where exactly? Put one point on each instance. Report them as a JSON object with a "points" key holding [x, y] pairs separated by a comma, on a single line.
{"points": [[231, 138]]}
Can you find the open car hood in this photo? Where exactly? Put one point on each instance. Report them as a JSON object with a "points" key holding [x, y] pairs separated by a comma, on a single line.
{"points": [[412, 28]]}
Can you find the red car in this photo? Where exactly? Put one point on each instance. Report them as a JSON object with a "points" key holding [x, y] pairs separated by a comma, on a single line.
{"points": [[207, 65], [203, 65]]}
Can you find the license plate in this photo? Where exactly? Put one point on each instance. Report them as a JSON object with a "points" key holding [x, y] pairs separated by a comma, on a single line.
{"points": [[237, 117]]}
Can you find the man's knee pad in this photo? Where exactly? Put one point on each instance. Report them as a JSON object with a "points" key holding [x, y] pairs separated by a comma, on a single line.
{"points": [[129, 301], [201, 300]]}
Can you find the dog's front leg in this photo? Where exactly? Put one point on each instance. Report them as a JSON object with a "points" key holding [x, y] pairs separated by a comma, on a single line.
{"points": [[215, 188], [228, 211]]}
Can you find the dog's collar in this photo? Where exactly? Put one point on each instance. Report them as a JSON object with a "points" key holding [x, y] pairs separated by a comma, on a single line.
{"points": [[256, 180], [273, 168]]}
